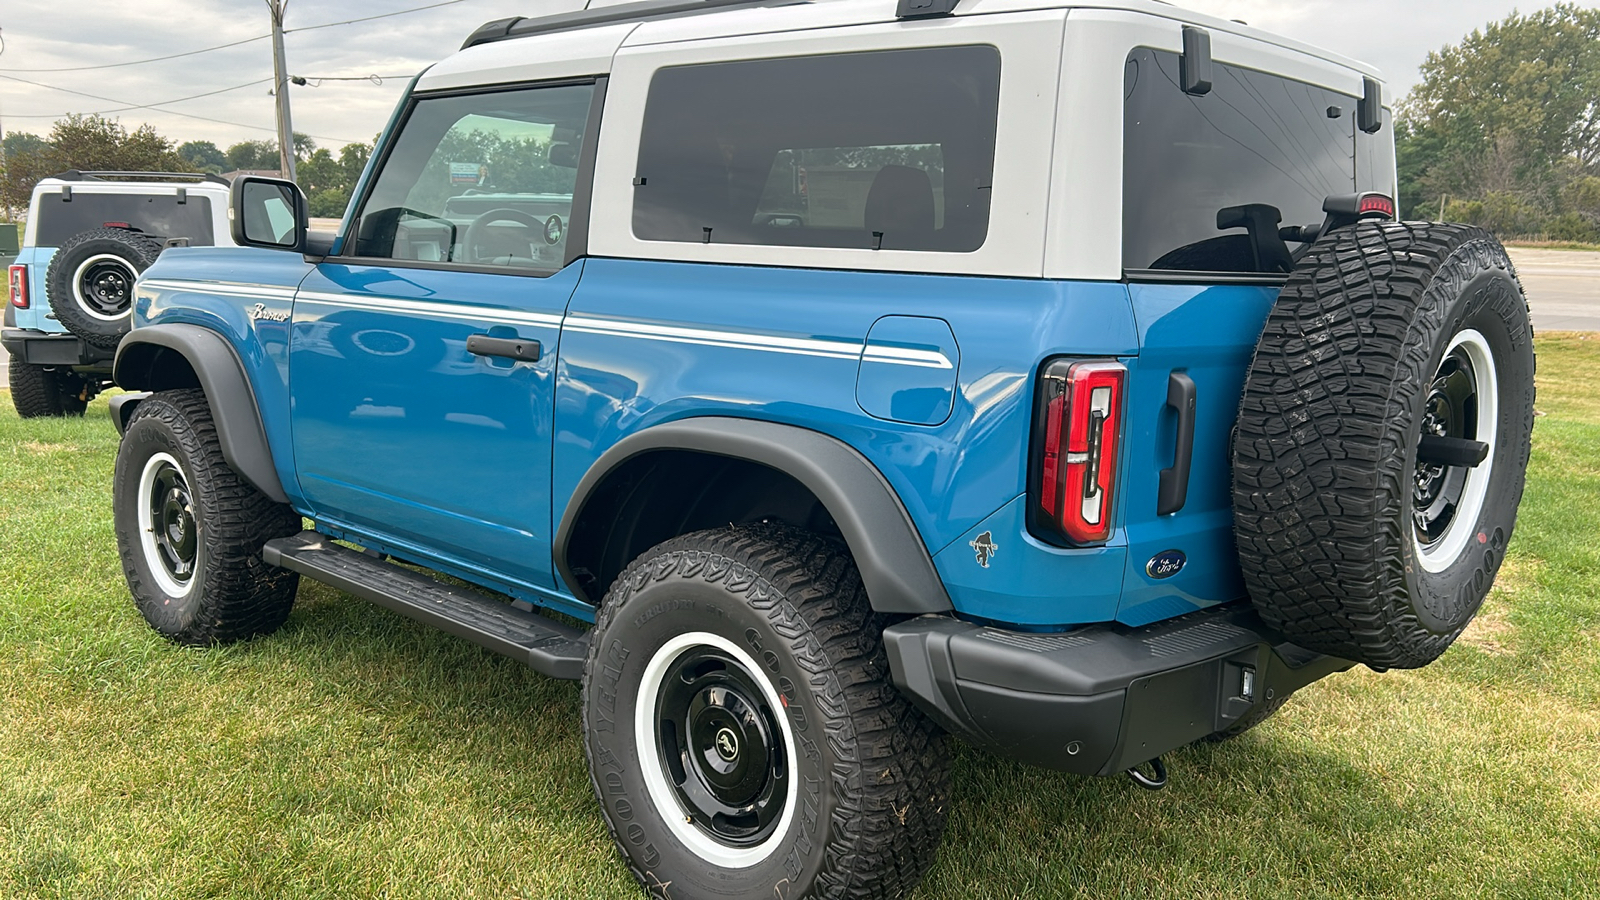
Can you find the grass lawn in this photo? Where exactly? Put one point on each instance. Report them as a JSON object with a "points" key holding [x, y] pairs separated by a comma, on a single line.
{"points": [[355, 754]]}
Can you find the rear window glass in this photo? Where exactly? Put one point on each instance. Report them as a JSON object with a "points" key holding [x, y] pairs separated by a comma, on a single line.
{"points": [[885, 150], [1255, 139], [157, 214]]}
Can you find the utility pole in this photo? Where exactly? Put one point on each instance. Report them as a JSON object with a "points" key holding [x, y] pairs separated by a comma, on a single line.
{"points": [[280, 80]]}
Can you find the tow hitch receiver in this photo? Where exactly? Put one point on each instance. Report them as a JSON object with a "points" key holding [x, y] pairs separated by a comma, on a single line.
{"points": [[1156, 780]]}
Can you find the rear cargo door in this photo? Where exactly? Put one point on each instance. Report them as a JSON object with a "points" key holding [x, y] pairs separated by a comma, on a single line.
{"points": [[1208, 178]]}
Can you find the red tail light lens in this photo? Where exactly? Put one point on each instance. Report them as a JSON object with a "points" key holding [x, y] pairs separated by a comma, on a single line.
{"points": [[1076, 433], [17, 278]]}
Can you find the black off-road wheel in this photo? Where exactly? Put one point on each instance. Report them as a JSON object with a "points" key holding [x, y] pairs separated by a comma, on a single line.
{"points": [[39, 391], [1383, 441], [190, 530], [90, 282], [742, 734]]}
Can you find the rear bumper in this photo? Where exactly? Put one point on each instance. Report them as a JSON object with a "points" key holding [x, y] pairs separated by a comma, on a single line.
{"points": [[39, 348], [1101, 699]]}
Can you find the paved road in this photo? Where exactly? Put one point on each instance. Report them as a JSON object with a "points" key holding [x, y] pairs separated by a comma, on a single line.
{"points": [[1563, 288]]}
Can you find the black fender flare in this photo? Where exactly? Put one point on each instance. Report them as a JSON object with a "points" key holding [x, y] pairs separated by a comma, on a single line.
{"points": [[895, 565], [227, 388]]}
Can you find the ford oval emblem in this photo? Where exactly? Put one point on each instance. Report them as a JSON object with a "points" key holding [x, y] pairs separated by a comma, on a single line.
{"points": [[1165, 564]]}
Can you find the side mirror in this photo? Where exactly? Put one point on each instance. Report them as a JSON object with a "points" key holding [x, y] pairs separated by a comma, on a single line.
{"points": [[267, 212]]}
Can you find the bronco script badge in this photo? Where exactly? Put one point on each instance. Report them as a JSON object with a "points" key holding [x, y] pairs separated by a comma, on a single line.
{"points": [[986, 548]]}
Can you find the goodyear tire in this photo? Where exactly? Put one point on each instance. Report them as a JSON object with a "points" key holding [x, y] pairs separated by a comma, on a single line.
{"points": [[741, 731], [1394, 357], [190, 530], [38, 391], [90, 282]]}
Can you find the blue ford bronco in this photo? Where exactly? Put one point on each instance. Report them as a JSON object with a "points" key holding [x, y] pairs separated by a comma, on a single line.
{"points": [[818, 380]]}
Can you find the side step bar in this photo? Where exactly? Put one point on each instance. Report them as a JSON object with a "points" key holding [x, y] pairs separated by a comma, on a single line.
{"points": [[548, 646]]}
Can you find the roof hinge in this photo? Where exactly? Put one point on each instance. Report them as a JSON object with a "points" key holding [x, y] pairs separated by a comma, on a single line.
{"points": [[925, 9]]}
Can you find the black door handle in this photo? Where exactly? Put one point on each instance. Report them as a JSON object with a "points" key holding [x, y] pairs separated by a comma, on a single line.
{"points": [[511, 348], [1174, 488]]}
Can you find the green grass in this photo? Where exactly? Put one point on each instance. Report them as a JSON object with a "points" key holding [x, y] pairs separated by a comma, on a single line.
{"points": [[357, 755]]}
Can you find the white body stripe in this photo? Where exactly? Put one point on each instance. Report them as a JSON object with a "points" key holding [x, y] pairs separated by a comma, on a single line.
{"points": [[830, 348], [833, 348], [225, 288], [432, 308]]}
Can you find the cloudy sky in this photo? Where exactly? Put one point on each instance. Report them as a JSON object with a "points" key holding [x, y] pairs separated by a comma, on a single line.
{"points": [[45, 35]]}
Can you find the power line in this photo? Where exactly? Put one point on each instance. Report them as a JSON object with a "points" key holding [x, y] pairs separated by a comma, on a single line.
{"points": [[398, 12], [139, 62], [145, 106], [174, 112]]}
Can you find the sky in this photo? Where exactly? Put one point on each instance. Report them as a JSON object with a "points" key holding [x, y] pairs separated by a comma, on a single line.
{"points": [[39, 35]]}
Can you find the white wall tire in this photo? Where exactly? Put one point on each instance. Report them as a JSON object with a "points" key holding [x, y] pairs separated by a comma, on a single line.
{"points": [[780, 617]]}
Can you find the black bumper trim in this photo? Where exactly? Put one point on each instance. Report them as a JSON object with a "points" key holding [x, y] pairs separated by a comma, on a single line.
{"points": [[38, 348], [1102, 699]]}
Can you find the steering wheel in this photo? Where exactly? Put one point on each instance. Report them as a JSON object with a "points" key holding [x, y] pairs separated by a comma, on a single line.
{"points": [[480, 228]]}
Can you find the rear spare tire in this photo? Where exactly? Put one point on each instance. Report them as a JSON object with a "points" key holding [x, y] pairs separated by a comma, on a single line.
{"points": [[1395, 356], [90, 282]]}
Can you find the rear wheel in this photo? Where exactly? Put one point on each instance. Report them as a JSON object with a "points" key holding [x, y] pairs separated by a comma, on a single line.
{"points": [[38, 391], [742, 734], [1383, 440]]}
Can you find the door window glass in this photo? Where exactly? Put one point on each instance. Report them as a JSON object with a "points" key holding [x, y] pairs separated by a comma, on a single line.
{"points": [[887, 150], [480, 180]]}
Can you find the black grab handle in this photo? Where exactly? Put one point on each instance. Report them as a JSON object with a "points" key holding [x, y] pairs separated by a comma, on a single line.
{"points": [[1174, 490], [510, 348]]}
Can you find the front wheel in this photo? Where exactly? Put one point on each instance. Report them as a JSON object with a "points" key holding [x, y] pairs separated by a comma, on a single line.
{"points": [[190, 530], [742, 734]]}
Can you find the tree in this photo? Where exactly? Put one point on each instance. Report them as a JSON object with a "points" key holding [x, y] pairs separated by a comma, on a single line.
{"points": [[203, 155], [87, 142], [20, 142], [1505, 109], [329, 182], [253, 155]]}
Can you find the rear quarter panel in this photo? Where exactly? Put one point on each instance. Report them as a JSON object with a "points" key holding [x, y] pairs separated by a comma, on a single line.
{"points": [[623, 370]]}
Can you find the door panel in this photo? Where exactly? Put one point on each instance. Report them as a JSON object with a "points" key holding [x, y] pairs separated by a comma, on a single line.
{"points": [[401, 432]]}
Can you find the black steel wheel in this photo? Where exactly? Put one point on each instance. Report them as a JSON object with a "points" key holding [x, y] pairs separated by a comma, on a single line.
{"points": [[720, 744], [190, 530], [742, 734]]}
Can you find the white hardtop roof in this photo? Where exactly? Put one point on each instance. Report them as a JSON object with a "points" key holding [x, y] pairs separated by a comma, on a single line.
{"points": [[591, 47], [128, 185]]}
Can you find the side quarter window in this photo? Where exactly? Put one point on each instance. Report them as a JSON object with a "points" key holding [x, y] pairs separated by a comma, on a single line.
{"points": [[480, 180], [883, 150]]}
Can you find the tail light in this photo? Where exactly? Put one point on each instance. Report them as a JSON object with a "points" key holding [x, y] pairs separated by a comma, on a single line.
{"points": [[1076, 430], [17, 278]]}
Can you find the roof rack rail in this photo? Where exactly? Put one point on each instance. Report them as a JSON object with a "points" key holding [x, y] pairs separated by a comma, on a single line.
{"points": [[76, 175], [643, 10]]}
